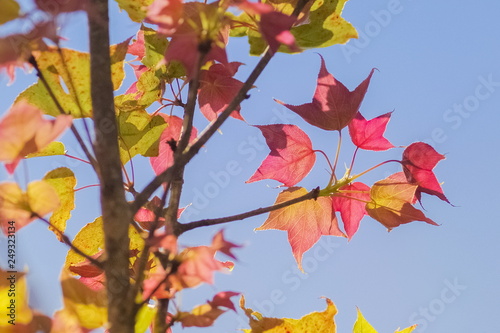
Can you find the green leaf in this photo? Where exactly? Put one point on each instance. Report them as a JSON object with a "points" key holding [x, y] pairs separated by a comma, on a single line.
{"points": [[139, 133], [68, 75], [144, 318], [324, 27], [362, 326], [53, 148], [63, 181], [136, 9], [9, 12]]}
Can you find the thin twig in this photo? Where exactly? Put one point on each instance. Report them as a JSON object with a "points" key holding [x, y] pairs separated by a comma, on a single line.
{"points": [[61, 110], [65, 239], [209, 222]]}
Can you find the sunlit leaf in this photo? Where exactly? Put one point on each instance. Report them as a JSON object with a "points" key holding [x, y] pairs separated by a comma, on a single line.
{"points": [[10, 10], [63, 180], [136, 9]]}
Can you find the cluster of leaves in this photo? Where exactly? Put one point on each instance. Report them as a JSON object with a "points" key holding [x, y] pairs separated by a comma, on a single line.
{"points": [[188, 49]]}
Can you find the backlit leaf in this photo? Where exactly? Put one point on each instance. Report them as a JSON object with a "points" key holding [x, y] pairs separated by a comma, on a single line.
{"points": [[205, 315], [68, 75], [16, 205], [87, 305], [419, 159], [52, 149], [63, 180], [291, 158], [333, 105], [23, 130], [362, 325], [139, 133], [90, 239], [305, 222], [350, 201], [369, 134], [391, 202], [136, 9], [21, 313], [313, 322]]}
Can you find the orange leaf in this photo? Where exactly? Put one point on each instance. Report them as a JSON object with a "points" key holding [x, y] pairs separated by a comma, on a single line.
{"points": [[392, 200], [305, 221], [24, 131]]}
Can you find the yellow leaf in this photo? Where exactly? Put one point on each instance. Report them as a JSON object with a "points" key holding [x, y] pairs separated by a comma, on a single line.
{"points": [[13, 300], [71, 68], [312, 323], [87, 305], [19, 206], [362, 325], [9, 12], [53, 148], [136, 9], [63, 180], [407, 330], [144, 317], [90, 239]]}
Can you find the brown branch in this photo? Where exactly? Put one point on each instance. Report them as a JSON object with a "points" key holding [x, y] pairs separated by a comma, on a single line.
{"points": [[313, 194], [116, 213], [65, 239]]}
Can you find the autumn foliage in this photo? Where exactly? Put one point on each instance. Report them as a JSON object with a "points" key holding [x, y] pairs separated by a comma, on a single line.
{"points": [[181, 67]]}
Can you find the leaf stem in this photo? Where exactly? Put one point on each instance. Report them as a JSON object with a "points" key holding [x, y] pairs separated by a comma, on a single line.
{"points": [[209, 222], [372, 168], [333, 178]]}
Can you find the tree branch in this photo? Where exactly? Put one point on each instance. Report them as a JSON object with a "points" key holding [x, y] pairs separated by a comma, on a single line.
{"points": [[313, 194], [116, 213]]}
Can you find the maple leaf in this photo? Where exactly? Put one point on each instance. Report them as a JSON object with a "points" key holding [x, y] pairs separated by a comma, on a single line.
{"points": [[368, 134], [362, 325], [168, 140], [391, 202], [86, 305], [217, 89], [205, 315], [222, 245], [167, 14], [350, 201], [23, 130], [197, 265], [136, 9], [419, 159], [305, 221], [22, 207], [312, 322], [291, 158], [63, 181], [275, 28], [204, 27], [333, 105]]}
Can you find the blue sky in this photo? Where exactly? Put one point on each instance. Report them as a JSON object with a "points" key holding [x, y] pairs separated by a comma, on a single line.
{"points": [[438, 69]]}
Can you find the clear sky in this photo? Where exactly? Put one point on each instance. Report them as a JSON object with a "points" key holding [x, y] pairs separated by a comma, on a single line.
{"points": [[439, 70]]}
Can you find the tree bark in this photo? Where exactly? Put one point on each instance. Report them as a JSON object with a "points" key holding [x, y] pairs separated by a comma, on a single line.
{"points": [[116, 213]]}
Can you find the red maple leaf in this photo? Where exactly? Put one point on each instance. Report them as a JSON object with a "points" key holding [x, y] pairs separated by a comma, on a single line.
{"points": [[305, 221], [217, 90], [419, 159], [369, 134], [167, 14], [168, 139], [192, 35], [291, 158], [333, 105], [219, 243], [350, 201], [275, 28]]}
